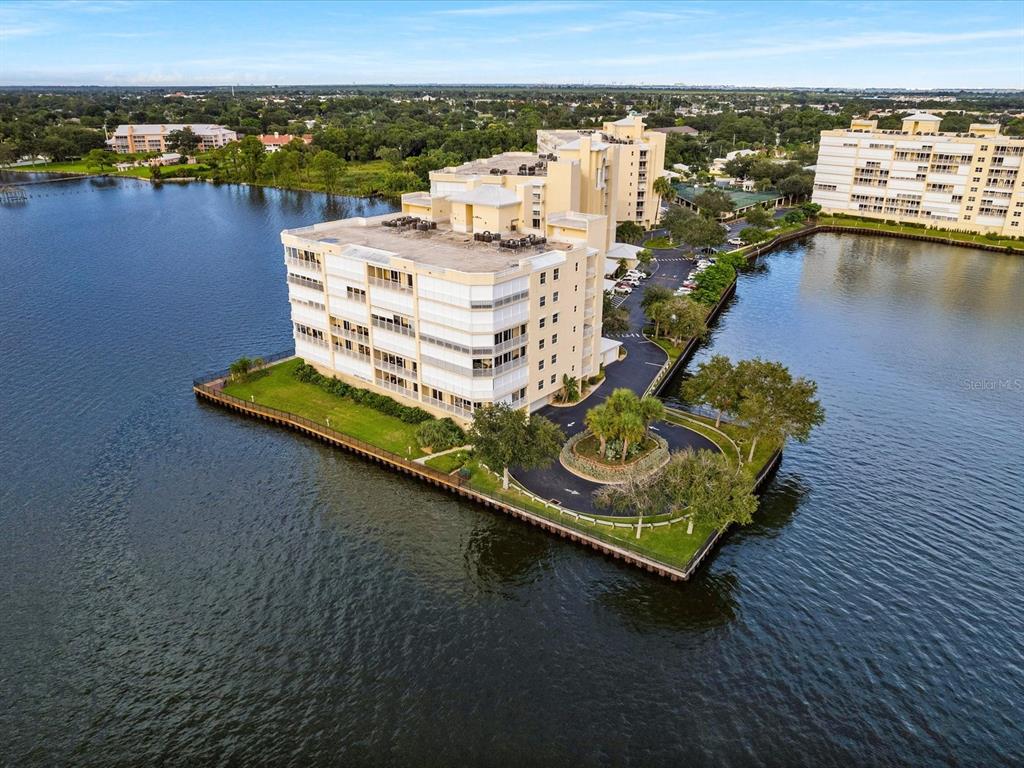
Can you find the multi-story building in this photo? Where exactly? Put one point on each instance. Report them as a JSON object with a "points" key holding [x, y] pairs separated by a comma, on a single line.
{"points": [[452, 308], [964, 181], [634, 157], [153, 138]]}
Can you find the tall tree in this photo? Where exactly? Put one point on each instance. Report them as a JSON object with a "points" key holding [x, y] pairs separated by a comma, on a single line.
{"points": [[708, 485], [503, 437], [663, 188], [682, 319], [715, 383], [759, 217], [629, 232], [251, 154], [330, 168], [774, 405], [713, 202], [184, 141]]}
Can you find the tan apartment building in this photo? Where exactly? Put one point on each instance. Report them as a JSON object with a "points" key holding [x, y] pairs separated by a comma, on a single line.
{"points": [[961, 181], [153, 138], [432, 311], [635, 158]]}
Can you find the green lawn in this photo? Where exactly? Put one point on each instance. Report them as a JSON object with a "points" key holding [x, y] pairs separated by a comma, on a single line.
{"points": [[277, 388], [448, 462], [659, 242]]}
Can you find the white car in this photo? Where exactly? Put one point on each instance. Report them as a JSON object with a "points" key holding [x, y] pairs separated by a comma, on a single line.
{"points": [[637, 274], [735, 241], [623, 290]]}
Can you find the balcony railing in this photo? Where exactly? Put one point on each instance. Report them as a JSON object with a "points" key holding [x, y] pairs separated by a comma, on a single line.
{"points": [[308, 264], [362, 338], [384, 384], [516, 341], [394, 285], [503, 301], [388, 325], [351, 353], [306, 282], [392, 368], [445, 406], [476, 373], [311, 340]]}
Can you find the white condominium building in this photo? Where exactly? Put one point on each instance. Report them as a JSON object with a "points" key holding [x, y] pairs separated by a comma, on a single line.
{"points": [[963, 181], [153, 138], [635, 158], [445, 317]]}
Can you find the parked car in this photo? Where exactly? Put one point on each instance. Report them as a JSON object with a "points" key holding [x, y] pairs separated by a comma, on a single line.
{"points": [[623, 290], [735, 241], [689, 284]]}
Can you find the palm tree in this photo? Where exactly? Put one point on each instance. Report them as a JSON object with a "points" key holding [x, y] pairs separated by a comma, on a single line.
{"points": [[663, 188], [571, 388], [630, 429], [240, 368], [650, 410], [601, 421]]}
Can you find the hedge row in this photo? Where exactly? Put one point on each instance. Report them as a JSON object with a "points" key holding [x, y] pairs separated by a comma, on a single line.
{"points": [[409, 414]]}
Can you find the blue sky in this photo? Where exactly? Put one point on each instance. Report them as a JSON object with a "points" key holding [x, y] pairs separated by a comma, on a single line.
{"points": [[883, 44]]}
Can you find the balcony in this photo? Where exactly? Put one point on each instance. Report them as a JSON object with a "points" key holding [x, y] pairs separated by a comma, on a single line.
{"points": [[444, 406], [362, 338], [388, 325], [383, 384], [353, 353], [303, 263], [306, 339], [392, 368], [306, 282], [393, 285]]}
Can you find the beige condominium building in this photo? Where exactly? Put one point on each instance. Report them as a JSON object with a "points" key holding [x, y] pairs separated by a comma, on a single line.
{"points": [[153, 138], [962, 181], [446, 307], [635, 158]]}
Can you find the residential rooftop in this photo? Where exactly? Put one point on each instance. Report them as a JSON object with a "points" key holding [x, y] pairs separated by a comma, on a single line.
{"points": [[511, 163], [440, 247]]}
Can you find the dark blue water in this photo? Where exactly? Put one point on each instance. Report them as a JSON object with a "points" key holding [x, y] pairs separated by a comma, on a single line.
{"points": [[182, 586]]}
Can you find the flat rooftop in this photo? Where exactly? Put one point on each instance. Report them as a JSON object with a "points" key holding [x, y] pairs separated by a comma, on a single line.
{"points": [[509, 162], [441, 247]]}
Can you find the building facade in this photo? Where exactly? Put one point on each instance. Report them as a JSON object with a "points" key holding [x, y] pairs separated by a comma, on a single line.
{"points": [[960, 181], [153, 138], [634, 157], [423, 310]]}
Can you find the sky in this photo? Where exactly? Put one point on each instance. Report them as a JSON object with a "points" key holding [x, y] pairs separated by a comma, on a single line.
{"points": [[828, 44]]}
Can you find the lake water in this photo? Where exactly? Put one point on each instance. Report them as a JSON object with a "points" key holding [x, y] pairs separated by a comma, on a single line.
{"points": [[180, 585]]}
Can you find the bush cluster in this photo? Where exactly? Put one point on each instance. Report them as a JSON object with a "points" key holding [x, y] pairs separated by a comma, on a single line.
{"points": [[409, 414], [440, 434], [712, 281]]}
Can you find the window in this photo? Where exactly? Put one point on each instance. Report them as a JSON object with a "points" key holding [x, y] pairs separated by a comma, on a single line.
{"points": [[540, 384], [554, 359], [536, 223], [541, 323], [978, 170], [577, 266], [554, 296], [554, 319], [554, 337], [554, 274], [543, 277], [540, 366], [540, 344], [552, 378], [543, 300]]}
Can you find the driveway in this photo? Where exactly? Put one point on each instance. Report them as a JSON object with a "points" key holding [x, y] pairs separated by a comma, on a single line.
{"points": [[642, 362]]}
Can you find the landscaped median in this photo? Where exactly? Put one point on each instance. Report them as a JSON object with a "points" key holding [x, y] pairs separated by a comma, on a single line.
{"points": [[667, 543]]}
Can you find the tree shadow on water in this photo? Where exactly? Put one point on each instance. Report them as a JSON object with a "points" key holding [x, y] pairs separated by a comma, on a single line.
{"points": [[649, 603], [501, 554]]}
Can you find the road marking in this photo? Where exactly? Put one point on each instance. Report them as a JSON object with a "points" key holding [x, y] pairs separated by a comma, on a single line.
{"points": [[574, 493], [655, 428], [657, 364], [571, 424]]}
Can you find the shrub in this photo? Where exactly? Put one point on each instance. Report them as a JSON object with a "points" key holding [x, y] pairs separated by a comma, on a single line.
{"points": [[409, 414], [440, 434], [712, 282]]}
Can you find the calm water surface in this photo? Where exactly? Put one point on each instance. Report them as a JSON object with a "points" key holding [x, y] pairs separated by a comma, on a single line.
{"points": [[182, 586]]}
